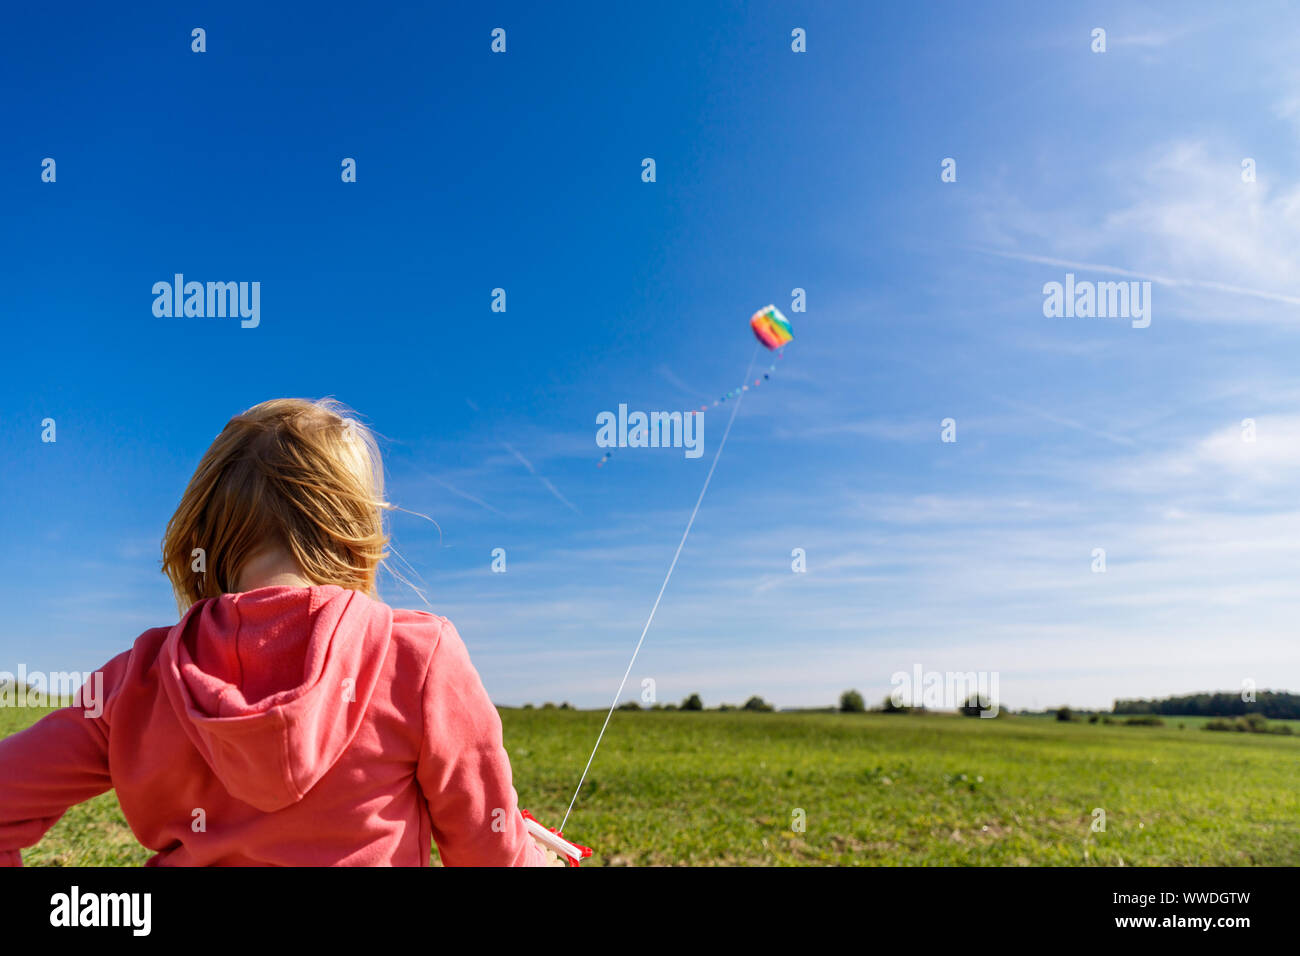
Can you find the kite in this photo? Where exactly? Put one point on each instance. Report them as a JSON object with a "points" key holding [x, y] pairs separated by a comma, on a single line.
{"points": [[771, 327], [773, 330]]}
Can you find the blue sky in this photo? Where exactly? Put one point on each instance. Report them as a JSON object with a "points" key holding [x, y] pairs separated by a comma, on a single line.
{"points": [[776, 170]]}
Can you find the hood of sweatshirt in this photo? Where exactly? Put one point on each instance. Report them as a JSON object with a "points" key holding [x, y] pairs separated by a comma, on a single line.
{"points": [[271, 685]]}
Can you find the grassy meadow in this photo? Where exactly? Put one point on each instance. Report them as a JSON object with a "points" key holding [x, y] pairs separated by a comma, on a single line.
{"points": [[723, 788]]}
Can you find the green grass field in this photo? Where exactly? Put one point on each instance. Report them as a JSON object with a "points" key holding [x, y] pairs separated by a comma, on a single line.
{"points": [[671, 787]]}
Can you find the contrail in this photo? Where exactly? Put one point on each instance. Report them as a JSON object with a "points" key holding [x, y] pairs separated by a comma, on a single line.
{"points": [[542, 478], [672, 379], [468, 497], [708, 478], [1159, 280], [1057, 420]]}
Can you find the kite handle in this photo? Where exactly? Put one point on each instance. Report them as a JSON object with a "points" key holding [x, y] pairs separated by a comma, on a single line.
{"points": [[554, 839]]}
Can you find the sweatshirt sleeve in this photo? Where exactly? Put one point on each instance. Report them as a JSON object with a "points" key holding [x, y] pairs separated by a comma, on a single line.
{"points": [[59, 761], [463, 768]]}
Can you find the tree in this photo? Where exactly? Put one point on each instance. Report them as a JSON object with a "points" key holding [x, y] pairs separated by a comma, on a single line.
{"points": [[975, 704], [1064, 714], [1150, 720], [758, 703], [851, 702], [693, 703], [890, 707], [1275, 705], [629, 705]]}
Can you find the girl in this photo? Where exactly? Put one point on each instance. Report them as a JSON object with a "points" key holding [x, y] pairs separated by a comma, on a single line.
{"points": [[290, 717]]}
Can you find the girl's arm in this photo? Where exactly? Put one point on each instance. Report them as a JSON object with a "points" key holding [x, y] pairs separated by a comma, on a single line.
{"points": [[463, 768], [59, 761]]}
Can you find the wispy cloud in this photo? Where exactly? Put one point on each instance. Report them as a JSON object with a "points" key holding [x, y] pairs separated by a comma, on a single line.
{"points": [[1149, 277], [464, 494], [542, 478], [672, 379], [1064, 422], [1254, 463]]}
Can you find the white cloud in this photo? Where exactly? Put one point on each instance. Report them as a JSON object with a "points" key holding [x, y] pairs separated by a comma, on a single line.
{"points": [[1222, 465], [1180, 217]]}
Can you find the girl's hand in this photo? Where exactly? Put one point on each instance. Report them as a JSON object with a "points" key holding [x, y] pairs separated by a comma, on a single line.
{"points": [[552, 858]]}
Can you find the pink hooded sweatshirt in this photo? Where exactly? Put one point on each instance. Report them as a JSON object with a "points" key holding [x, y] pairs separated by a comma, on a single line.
{"points": [[284, 726]]}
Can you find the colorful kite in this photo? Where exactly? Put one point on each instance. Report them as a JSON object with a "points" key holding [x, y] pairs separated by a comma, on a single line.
{"points": [[773, 330], [771, 327]]}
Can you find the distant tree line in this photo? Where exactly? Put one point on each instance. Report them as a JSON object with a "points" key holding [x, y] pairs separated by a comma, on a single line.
{"points": [[692, 702], [1276, 705]]}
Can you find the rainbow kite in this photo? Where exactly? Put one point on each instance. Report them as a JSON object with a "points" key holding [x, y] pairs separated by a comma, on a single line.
{"points": [[773, 330], [771, 327]]}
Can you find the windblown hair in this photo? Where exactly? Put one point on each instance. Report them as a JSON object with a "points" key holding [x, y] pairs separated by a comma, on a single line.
{"points": [[301, 474]]}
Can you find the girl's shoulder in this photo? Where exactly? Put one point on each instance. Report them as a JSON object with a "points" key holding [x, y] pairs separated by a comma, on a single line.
{"points": [[403, 615], [422, 627], [435, 648]]}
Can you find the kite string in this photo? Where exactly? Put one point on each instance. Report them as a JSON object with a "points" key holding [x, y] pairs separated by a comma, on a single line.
{"points": [[623, 683]]}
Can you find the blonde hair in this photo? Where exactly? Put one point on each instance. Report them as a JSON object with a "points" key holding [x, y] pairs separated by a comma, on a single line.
{"points": [[302, 474]]}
